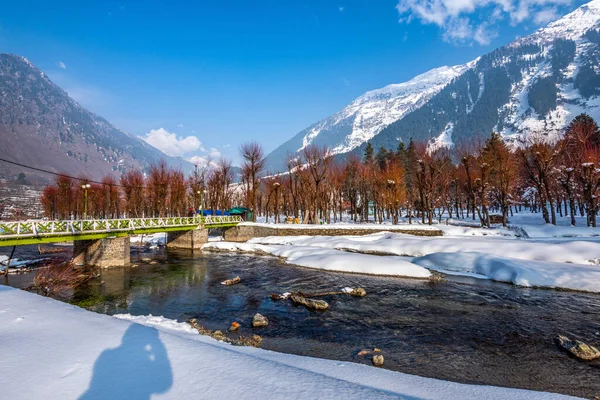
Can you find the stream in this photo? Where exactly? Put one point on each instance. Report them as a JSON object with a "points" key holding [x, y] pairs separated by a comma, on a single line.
{"points": [[465, 330]]}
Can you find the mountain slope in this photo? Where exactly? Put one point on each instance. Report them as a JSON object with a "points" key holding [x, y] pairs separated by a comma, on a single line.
{"points": [[533, 86], [368, 115], [40, 125]]}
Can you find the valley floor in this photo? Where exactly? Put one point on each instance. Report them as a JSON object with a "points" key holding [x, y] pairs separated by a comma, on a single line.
{"points": [[53, 350]]}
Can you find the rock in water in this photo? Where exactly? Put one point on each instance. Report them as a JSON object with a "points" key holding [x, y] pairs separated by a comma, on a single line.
{"points": [[578, 349], [378, 360], [358, 292], [230, 282], [234, 326], [309, 303], [363, 352], [259, 320]]}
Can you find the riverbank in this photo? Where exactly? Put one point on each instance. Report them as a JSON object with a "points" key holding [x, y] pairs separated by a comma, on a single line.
{"points": [[56, 351]]}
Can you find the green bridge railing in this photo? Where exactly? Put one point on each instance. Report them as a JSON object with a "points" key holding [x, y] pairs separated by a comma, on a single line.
{"points": [[32, 232]]}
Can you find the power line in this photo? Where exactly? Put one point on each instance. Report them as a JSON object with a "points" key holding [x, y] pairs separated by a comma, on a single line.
{"points": [[52, 173], [73, 177]]}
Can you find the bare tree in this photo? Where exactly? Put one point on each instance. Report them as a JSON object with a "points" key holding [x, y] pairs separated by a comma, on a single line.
{"points": [[318, 159], [253, 165]]}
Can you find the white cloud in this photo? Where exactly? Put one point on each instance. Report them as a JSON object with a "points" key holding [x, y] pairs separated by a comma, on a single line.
{"points": [[545, 16], [483, 35], [180, 125], [61, 65], [461, 20], [214, 153], [170, 144]]}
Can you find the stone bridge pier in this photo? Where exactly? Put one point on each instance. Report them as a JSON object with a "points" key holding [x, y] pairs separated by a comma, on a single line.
{"points": [[193, 239], [108, 252]]}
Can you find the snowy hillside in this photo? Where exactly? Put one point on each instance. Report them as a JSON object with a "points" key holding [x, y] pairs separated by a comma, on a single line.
{"points": [[533, 86], [369, 114]]}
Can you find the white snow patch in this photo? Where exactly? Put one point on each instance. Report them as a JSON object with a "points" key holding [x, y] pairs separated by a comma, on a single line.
{"points": [[519, 272], [442, 141], [328, 259], [160, 322]]}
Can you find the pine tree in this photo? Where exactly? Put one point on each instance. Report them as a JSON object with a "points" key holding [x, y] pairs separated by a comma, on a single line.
{"points": [[410, 162], [368, 154], [381, 158]]}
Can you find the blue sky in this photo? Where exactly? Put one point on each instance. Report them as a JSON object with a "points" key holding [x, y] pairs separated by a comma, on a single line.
{"points": [[201, 78]]}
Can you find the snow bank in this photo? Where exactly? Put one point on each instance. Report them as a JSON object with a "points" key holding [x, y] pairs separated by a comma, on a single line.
{"points": [[52, 350], [518, 272], [580, 252], [17, 262], [161, 322], [155, 239], [329, 259], [347, 226], [463, 230], [549, 231]]}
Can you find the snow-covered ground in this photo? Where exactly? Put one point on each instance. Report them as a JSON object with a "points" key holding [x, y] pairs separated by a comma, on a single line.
{"points": [[346, 226], [527, 253], [531, 224], [17, 262], [52, 350], [328, 259]]}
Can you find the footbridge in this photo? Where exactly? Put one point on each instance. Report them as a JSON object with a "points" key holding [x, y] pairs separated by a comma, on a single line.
{"points": [[105, 242]]}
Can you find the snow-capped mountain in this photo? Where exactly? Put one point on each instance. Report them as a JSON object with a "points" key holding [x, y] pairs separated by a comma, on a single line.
{"points": [[533, 86], [369, 114]]}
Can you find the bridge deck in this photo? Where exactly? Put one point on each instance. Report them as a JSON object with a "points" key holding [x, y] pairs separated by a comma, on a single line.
{"points": [[34, 232]]}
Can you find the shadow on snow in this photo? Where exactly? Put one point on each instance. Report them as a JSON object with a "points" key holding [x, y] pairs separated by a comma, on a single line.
{"points": [[136, 369]]}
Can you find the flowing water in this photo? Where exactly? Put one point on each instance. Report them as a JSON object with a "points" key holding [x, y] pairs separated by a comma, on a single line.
{"points": [[464, 330]]}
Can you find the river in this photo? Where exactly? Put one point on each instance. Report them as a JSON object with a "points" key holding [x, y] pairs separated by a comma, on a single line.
{"points": [[463, 329]]}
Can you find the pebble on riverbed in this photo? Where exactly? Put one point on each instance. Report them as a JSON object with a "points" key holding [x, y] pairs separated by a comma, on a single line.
{"points": [[436, 277], [259, 320], [578, 349], [378, 360], [309, 303], [364, 352], [254, 341], [230, 282]]}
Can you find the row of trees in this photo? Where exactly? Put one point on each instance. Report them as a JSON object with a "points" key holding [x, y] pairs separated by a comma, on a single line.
{"points": [[486, 182]]}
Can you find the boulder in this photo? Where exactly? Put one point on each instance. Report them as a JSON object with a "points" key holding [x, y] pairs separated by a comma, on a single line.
{"points": [[234, 326], [309, 303], [230, 282], [259, 320], [378, 360], [578, 349], [358, 292]]}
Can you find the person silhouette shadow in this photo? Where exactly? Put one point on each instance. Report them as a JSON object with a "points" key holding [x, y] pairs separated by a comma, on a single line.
{"points": [[136, 369]]}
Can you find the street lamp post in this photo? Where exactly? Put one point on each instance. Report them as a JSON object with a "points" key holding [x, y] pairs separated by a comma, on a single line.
{"points": [[202, 203], [198, 194], [85, 188]]}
